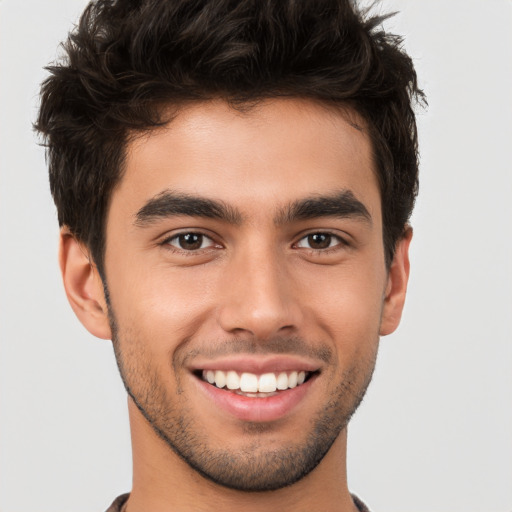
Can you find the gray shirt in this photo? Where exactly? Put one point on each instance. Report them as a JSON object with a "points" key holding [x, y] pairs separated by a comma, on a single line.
{"points": [[118, 503]]}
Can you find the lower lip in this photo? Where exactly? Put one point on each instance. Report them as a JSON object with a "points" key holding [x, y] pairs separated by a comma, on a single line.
{"points": [[260, 410]]}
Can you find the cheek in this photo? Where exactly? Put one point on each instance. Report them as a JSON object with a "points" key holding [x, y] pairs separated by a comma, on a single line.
{"points": [[347, 305], [163, 306]]}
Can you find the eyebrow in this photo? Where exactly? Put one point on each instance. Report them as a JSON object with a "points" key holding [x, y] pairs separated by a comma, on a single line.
{"points": [[341, 204], [169, 203]]}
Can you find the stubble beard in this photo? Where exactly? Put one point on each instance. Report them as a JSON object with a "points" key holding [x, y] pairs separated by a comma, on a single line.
{"points": [[254, 468]]}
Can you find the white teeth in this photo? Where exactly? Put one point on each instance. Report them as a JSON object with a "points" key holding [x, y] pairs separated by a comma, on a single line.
{"points": [[220, 379], [249, 383], [282, 381], [267, 383], [232, 380], [252, 383]]}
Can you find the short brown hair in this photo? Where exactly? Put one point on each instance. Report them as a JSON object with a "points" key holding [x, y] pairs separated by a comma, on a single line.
{"points": [[127, 58]]}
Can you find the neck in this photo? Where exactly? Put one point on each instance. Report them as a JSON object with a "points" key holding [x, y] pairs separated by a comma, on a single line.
{"points": [[162, 481]]}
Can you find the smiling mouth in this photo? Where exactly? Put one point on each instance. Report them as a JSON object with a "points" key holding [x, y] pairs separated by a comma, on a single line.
{"points": [[255, 386]]}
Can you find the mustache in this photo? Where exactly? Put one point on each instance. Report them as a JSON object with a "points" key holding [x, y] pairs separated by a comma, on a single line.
{"points": [[290, 345]]}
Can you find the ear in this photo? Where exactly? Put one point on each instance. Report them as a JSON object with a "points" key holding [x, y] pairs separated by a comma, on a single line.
{"points": [[396, 287], [83, 285]]}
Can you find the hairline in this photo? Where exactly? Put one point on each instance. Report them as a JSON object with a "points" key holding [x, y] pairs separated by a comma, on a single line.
{"points": [[168, 111]]}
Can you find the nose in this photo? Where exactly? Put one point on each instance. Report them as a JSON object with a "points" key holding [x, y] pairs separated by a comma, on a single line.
{"points": [[259, 297]]}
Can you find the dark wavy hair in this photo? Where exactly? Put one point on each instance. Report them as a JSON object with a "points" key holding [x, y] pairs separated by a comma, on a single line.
{"points": [[127, 59]]}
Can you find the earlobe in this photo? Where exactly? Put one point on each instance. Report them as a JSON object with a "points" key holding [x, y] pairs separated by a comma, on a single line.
{"points": [[396, 288], [83, 285]]}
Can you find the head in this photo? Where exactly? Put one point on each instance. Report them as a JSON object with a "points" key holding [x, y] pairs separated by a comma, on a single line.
{"points": [[301, 111], [129, 66]]}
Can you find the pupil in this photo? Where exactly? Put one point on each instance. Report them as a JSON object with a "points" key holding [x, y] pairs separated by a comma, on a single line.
{"points": [[191, 241], [319, 241]]}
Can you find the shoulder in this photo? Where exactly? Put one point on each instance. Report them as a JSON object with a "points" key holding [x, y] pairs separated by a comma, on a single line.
{"points": [[118, 503], [359, 504]]}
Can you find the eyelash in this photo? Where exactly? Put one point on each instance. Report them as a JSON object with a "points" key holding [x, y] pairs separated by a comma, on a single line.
{"points": [[340, 242], [167, 243]]}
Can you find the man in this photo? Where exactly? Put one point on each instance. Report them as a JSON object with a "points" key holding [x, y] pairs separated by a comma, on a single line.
{"points": [[233, 183]]}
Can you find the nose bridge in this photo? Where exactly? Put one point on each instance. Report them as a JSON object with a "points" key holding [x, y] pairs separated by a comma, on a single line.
{"points": [[259, 296]]}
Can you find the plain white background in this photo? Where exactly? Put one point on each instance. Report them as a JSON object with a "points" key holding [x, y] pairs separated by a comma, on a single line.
{"points": [[435, 431]]}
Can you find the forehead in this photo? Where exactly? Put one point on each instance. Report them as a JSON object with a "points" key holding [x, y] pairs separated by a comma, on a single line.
{"points": [[271, 154]]}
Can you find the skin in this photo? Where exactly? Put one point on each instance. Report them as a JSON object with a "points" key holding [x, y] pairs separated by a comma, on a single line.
{"points": [[255, 289]]}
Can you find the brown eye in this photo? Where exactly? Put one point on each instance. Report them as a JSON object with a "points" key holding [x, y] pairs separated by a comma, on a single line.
{"points": [[190, 241], [319, 241]]}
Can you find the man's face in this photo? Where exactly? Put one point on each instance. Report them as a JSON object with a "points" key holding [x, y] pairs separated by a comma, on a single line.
{"points": [[244, 251]]}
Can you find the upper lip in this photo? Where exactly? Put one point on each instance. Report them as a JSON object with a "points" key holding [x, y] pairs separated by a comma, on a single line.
{"points": [[257, 365]]}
